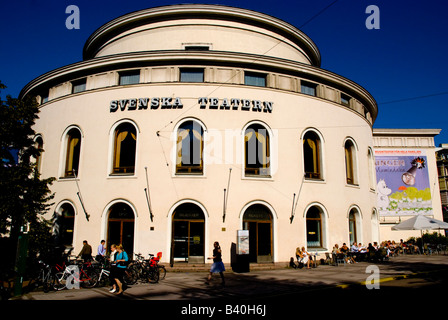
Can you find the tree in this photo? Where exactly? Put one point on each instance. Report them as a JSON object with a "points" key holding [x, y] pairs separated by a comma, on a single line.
{"points": [[24, 196]]}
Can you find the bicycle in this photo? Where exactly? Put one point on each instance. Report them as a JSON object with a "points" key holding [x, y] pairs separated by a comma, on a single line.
{"points": [[155, 261], [76, 272], [103, 276], [46, 277], [144, 269]]}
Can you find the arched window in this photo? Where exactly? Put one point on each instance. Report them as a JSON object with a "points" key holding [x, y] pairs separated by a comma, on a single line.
{"points": [[352, 226], [125, 143], [39, 142], [190, 146], [257, 151], [371, 167], [73, 152], [375, 226], [64, 224], [350, 162], [312, 155], [314, 227]]}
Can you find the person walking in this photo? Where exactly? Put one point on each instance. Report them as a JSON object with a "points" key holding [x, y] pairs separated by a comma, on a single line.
{"points": [[218, 265]]}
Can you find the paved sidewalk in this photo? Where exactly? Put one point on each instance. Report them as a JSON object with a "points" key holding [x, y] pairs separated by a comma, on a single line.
{"points": [[273, 284], [406, 284]]}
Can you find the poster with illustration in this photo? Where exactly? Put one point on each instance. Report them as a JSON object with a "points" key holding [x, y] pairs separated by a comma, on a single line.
{"points": [[402, 182], [242, 242]]}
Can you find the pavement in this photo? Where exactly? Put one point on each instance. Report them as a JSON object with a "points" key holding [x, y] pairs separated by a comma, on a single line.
{"points": [[405, 276]]}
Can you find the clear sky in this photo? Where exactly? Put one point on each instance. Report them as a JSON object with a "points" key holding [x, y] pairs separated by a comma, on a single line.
{"points": [[403, 64]]}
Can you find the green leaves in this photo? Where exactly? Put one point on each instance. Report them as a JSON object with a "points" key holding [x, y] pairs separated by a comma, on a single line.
{"points": [[23, 195]]}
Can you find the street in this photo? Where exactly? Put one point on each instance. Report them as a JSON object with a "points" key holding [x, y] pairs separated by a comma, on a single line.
{"points": [[404, 277]]}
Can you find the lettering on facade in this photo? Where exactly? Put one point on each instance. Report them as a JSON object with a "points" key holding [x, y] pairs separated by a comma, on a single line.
{"points": [[203, 102]]}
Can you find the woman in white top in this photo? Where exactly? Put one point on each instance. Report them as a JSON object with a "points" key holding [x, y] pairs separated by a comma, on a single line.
{"points": [[305, 258]]}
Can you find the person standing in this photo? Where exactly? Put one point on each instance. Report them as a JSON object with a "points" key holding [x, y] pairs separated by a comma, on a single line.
{"points": [[218, 265], [101, 251], [113, 265], [86, 251]]}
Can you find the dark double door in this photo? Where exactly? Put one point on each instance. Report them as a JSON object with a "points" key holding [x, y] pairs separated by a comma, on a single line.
{"points": [[188, 233], [120, 227], [258, 220]]}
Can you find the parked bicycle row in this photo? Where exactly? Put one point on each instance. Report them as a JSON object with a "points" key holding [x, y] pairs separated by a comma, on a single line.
{"points": [[73, 272]]}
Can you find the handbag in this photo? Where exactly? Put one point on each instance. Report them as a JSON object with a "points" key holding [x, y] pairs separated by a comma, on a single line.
{"points": [[123, 263]]}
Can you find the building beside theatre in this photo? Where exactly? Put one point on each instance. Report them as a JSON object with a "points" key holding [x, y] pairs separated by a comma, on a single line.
{"points": [[407, 178], [184, 124]]}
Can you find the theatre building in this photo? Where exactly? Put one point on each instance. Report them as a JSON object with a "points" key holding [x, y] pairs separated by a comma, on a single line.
{"points": [[184, 124]]}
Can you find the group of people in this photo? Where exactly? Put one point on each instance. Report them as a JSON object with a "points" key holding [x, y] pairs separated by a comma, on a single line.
{"points": [[359, 252], [303, 259], [355, 253], [118, 259]]}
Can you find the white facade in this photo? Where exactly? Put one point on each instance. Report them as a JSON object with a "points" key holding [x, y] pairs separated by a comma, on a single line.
{"points": [[116, 130]]}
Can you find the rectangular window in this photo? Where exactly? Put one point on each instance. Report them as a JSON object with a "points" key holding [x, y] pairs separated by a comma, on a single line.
{"points": [[308, 88], [79, 86], [129, 77], [255, 79], [44, 98], [197, 48], [191, 75], [345, 99]]}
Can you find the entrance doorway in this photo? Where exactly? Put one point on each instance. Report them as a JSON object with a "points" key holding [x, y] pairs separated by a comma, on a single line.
{"points": [[188, 232], [258, 220], [120, 227]]}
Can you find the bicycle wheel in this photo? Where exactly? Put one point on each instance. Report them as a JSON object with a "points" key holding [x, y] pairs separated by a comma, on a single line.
{"points": [[153, 275], [104, 278], [162, 272], [51, 282], [89, 278], [137, 271], [59, 281], [48, 283], [129, 276]]}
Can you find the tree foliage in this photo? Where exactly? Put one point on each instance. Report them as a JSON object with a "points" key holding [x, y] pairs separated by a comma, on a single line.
{"points": [[24, 196]]}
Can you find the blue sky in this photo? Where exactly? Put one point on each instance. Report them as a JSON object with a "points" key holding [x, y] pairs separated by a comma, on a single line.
{"points": [[403, 64]]}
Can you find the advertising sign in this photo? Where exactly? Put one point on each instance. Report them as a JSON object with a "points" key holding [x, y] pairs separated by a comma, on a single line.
{"points": [[242, 242], [402, 182]]}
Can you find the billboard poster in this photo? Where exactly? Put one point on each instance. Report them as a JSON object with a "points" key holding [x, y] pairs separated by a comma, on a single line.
{"points": [[402, 182], [242, 242]]}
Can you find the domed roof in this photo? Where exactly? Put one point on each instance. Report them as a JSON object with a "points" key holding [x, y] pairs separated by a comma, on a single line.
{"points": [[257, 33]]}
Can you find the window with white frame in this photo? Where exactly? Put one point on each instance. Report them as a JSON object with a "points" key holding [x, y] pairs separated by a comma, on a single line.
{"points": [[257, 151], [350, 162], [72, 153], [124, 152], [189, 148], [312, 155]]}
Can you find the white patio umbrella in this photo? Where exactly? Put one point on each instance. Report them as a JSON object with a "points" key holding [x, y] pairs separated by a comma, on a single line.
{"points": [[421, 222]]}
